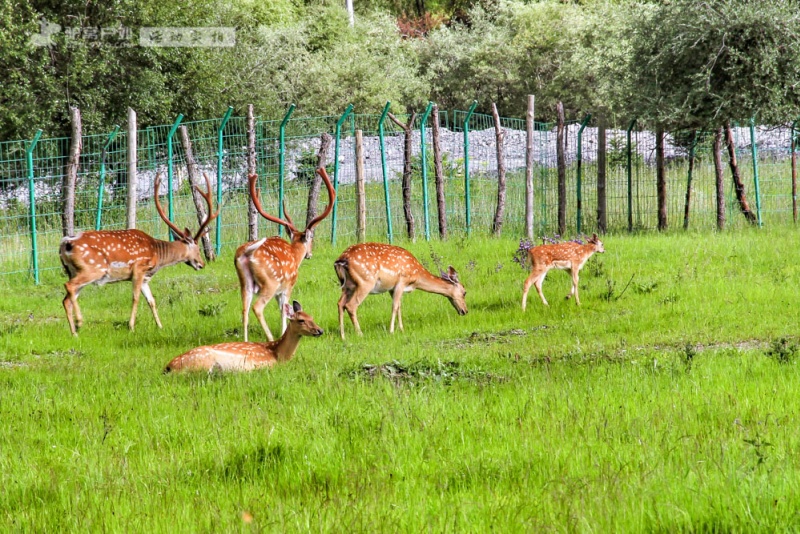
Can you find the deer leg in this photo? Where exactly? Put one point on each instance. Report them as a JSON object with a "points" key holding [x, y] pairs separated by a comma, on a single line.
{"points": [[247, 286], [397, 295], [148, 296], [526, 287], [73, 287], [283, 298], [346, 296], [574, 289], [138, 281], [265, 294], [537, 283], [352, 306]]}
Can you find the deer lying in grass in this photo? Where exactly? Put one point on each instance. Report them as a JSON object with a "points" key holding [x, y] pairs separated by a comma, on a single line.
{"points": [[243, 356], [570, 256], [101, 257], [376, 268]]}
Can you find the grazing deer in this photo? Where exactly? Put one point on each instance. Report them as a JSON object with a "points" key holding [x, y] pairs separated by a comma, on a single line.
{"points": [[376, 268], [102, 257], [269, 266], [570, 256], [249, 356]]}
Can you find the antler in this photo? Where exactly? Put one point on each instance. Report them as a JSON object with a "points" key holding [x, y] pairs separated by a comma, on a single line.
{"points": [[172, 226], [331, 199], [209, 217], [253, 178]]}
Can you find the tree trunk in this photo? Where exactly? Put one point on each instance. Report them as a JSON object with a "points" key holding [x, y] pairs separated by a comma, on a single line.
{"points": [[439, 175], [316, 181], [529, 118], [194, 181], [406, 184], [738, 185], [361, 202], [562, 170], [252, 214], [720, 179], [602, 218], [661, 179], [688, 202], [132, 176], [497, 225], [71, 173]]}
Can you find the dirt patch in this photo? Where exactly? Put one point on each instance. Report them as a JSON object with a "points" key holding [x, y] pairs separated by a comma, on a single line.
{"points": [[489, 338], [444, 372]]}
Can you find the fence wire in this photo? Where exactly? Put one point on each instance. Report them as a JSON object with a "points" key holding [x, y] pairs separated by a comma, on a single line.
{"points": [[286, 163]]}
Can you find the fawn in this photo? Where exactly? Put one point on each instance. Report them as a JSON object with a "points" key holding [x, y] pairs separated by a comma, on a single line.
{"points": [[244, 356], [570, 256]]}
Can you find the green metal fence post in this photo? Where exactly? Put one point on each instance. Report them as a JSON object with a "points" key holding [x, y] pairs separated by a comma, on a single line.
{"points": [[793, 147], [220, 155], [282, 162], [102, 186], [578, 185], [630, 175], [336, 169], [424, 158], [385, 172], [754, 151], [32, 205], [466, 165], [169, 167]]}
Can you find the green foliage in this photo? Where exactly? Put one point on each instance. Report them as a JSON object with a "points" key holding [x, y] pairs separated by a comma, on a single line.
{"points": [[699, 64]]}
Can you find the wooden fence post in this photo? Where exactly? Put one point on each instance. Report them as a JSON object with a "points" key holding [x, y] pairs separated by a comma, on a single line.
{"points": [[438, 173], [191, 170], [71, 173], [316, 181], [132, 174], [252, 215], [602, 217], [529, 118], [562, 170], [361, 203], [720, 179], [407, 130], [497, 225], [661, 180]]}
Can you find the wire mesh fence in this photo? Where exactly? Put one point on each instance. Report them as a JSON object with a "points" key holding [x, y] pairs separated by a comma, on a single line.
{"points": [[401, 196]]}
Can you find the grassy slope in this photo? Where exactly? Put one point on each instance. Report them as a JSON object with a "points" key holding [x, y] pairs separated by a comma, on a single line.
{"points": [[559, 418]]}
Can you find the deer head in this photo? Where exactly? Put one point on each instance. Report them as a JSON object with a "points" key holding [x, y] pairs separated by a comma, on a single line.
{"points": [[194, 258], [598, 245], [305, 237], [457, 294], [300, 322]]}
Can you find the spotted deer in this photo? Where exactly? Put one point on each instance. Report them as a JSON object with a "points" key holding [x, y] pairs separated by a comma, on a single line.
{"points": [[376, 268], [250, 356], [107, 256], [268, 267], [569, 256]]}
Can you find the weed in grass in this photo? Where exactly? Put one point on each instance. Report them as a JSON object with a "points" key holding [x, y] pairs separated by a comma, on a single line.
{"points": [[212, 309], [782, 350], [596, 269], [687, 356], [645, 288]]}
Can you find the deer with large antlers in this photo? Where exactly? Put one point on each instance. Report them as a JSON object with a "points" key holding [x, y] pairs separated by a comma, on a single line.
{"points": [[250, 356], [376, 268], [570, 256], [107, 256], [268, 267]]}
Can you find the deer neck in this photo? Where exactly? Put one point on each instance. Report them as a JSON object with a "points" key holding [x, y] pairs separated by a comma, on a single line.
{"points": [[169, 252], [433, 284], [298, 251], [286, 346]]}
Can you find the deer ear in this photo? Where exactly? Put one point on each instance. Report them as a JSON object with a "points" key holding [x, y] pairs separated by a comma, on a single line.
{"points": [[288, 311], [593, 239], [452, 274], [296, 307]]}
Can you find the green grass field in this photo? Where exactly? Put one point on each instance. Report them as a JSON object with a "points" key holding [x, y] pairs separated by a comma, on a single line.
{"points": [[666, 402]]}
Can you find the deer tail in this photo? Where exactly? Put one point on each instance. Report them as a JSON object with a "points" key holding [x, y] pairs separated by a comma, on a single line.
{"points": [[341, 267]]}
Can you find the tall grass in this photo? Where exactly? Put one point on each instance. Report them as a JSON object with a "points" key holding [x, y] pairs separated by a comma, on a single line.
{"points": [[653, 406]]}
